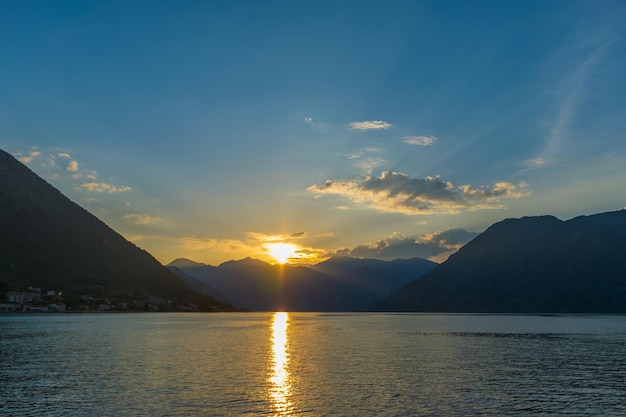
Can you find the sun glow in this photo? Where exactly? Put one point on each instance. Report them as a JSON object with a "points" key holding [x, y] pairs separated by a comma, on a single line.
{"points": [[282, 251]]}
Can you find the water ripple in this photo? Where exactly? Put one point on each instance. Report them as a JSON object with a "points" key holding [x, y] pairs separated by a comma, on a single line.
{"points": [[311, 365]]}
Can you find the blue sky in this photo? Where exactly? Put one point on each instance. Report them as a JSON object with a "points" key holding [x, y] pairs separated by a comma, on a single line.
{"points": [[211, 130]]}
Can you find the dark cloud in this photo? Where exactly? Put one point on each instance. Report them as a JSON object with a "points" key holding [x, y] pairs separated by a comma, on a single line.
{"points": [[453, 237], [396, 192], [436, 246]]}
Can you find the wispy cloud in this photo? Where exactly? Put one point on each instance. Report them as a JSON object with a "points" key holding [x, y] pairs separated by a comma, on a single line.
{"points": [[275, 238], [575, 89], [370, 125], [367, 159], [204, 244], [371, 163], [317, 126], [268, 238], [423, 140], [136, 218], [50, 162], [102, 187], [29, 157], [398, 193], [436, 246], [537, 162]]}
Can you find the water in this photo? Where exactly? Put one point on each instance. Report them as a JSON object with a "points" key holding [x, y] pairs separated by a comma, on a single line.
{"points": [[307, 364]]}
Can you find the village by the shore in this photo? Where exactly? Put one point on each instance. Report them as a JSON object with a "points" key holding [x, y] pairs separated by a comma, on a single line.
{"points": [[38, 300]]}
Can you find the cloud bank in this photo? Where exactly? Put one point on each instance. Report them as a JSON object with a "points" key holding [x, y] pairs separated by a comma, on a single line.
{"points": [[435, 246], [398, 193]]}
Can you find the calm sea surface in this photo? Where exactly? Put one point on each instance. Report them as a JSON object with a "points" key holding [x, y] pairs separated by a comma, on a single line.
{"points": [[256, 364]]}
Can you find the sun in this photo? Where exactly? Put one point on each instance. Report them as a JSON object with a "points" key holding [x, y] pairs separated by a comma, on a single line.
{"points": [[281, 251]]}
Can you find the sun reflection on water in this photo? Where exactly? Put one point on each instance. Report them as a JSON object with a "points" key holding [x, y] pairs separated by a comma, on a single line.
{"points": [[279, 380]]}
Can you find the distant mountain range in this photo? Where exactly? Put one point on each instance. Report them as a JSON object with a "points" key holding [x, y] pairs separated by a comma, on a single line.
{"points": [[528, 265], [338, 284], [48, 241]]}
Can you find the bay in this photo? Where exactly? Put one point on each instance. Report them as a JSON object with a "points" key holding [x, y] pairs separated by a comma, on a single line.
{"points": [[256, 364]]}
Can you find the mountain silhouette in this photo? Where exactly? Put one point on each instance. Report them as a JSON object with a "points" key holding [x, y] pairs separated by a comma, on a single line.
{"points": [[48, 241], [528, 265], [338, 284], [185, 263], [377, 278]]}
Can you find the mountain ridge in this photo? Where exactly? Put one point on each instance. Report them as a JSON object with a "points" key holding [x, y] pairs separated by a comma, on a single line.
{"points": [[256, 285], [51, 242], [534, 264]]}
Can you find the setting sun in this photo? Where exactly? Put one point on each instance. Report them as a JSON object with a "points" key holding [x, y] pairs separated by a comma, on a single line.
{"points": [[281, 251]]}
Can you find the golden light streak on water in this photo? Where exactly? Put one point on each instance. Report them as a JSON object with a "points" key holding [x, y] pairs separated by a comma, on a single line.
{"points": [[279, 380]]}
